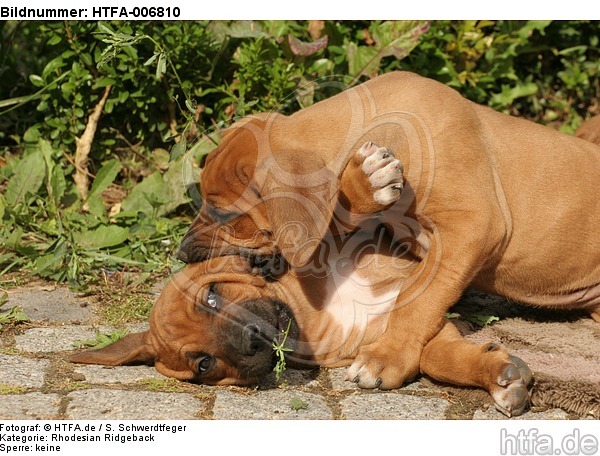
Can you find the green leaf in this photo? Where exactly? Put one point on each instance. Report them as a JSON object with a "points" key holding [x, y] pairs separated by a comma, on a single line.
{"points": [[190, 105], [151, 59], [180, 175], [103, 28], [178, 149], [52, 66], [47, 151], [105, 176], [161, 67], [158, 195], [361, 59], [509, 94], [67, 88], [161, 158], [103, 82], [31, 135], [236, 29], [392, 38], [531, 26], [36, 80], [136, 200], [481, 320], [96, 206], [28, 178], [54, 40], [102, 340], [50, 262], [113, 259], [101, 237], [14, 315], [58, 184], [477, 320], [14, 239], [298, 404]]}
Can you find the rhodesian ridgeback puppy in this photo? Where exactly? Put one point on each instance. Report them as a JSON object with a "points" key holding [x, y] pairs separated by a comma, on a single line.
{"points": [[590, 130], [490, 201], [215, 322]]}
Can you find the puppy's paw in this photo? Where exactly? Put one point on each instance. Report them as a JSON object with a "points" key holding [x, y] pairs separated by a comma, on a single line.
{"points": [[384, 171], [511, 387], [376, 367]]}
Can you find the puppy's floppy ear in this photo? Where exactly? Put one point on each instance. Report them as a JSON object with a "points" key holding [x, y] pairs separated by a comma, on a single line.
{"points": [[300, 194], [131, 349]]}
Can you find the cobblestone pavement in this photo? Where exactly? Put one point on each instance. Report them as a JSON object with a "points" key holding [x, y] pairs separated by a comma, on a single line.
{"points": [[37, 382]]}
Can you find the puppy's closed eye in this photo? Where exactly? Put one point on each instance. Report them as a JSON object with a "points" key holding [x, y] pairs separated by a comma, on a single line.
{"points": [[220, 215]]}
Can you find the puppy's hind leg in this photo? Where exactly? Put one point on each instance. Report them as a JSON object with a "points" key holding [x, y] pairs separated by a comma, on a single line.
{"points": [[450, 358]]}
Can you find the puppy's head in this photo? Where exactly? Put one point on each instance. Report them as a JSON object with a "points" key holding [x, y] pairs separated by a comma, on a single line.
{"points": [[213, 323], [262, 196]]}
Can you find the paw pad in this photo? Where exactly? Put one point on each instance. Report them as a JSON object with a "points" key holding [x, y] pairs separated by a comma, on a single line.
{"points": [[384, 171], [512, 393]]}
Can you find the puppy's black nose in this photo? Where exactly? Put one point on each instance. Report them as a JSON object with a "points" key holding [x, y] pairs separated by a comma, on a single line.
{"points": [[252, 340]]}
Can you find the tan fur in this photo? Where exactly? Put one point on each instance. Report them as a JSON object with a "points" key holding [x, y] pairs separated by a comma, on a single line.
{"points": [[590, 130], [490, 200]]}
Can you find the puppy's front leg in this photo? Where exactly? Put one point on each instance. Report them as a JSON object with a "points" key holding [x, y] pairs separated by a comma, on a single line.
{"points": [[459, 244], [449, 358]]}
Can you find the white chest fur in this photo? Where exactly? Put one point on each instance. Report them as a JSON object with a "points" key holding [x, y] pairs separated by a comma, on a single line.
{"points": [[357, 301]]}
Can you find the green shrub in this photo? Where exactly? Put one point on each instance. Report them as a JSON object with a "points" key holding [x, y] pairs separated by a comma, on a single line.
{"points": [[173, 85], [543, 70]]}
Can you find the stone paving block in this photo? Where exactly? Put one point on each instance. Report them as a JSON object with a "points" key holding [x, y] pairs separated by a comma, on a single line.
{"points": [[158, 287], [338, 382], [137, 327], [102, 404], [63, 337], [30, 406], [117, 374], [392, 406], [54, 339], [269, 405], [21, 371], [58, 305], [492, 414]]}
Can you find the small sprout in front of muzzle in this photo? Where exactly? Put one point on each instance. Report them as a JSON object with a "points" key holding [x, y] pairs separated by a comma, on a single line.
{"points": [[280, 351]]}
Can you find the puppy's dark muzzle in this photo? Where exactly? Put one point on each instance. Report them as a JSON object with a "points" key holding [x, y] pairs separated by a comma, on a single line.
{"points": [[190, 252], [195, 249]]}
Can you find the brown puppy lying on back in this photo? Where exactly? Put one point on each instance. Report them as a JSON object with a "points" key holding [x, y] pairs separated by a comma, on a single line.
{"points": [[215, 323], [490, 201]]}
